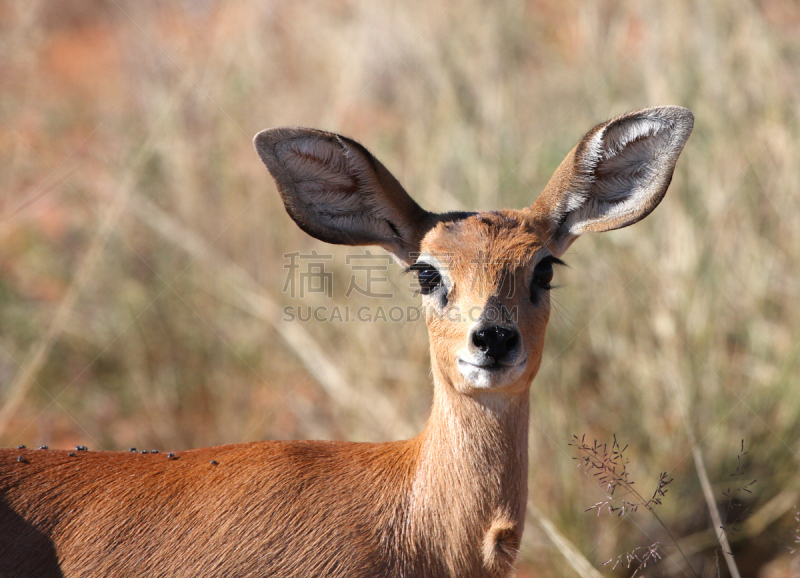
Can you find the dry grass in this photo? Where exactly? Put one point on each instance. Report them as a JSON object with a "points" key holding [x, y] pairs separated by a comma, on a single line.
{"points": [[173, 341]]}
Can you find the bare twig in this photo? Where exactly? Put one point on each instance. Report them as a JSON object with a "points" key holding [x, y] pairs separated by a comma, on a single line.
{"points": [[702, 474], [755, 525]]}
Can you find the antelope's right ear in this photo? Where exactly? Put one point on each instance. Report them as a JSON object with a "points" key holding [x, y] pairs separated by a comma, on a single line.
{"points": [[615, 176], [337, 192]]}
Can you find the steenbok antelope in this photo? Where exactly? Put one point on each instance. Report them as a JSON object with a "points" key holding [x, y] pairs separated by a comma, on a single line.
{"points": [[449, 502]]}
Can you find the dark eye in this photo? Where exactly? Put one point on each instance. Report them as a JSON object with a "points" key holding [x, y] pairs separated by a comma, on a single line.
{"points": [[428, 277], [543, 272]]}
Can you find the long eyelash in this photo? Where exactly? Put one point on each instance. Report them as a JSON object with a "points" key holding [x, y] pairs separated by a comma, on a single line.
{"points": [[556, 261], [418, 266]]}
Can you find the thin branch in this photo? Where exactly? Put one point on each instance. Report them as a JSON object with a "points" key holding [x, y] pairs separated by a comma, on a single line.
{"points": [[252, 299], [567, 549], [40, 351]]}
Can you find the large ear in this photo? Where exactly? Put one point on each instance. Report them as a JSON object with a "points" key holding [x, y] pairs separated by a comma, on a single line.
{"points": [[615, 176], [336, 191]]}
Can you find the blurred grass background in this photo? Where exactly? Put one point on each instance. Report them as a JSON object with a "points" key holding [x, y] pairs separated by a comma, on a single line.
{"points": [[142, 242]]}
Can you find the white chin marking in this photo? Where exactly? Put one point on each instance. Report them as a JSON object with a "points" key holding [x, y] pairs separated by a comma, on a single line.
{"points": [[484, 378]]}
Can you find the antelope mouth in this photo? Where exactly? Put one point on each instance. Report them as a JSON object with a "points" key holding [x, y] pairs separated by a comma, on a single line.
{"points": [[490, 375]]}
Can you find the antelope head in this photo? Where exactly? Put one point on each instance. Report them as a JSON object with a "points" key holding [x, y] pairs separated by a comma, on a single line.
{"points": [[484, 276]]}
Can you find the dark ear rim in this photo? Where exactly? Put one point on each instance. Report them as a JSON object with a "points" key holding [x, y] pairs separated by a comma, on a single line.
{"points": [[406, 231], [567, 192], [265, 143]]}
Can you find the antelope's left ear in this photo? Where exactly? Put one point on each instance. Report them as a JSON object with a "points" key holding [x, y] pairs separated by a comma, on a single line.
{"points": [[615, 176]]}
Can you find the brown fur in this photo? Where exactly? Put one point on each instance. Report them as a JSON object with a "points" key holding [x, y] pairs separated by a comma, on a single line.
{"points": [[449, 502]]}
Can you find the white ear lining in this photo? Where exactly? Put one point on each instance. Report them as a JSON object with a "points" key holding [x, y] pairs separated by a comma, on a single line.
{"points": [[619, 135], [626, 164], [623, 156]]}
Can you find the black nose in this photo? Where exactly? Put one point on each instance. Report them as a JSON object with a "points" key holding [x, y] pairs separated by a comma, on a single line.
{"points": [[496, 342]]}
